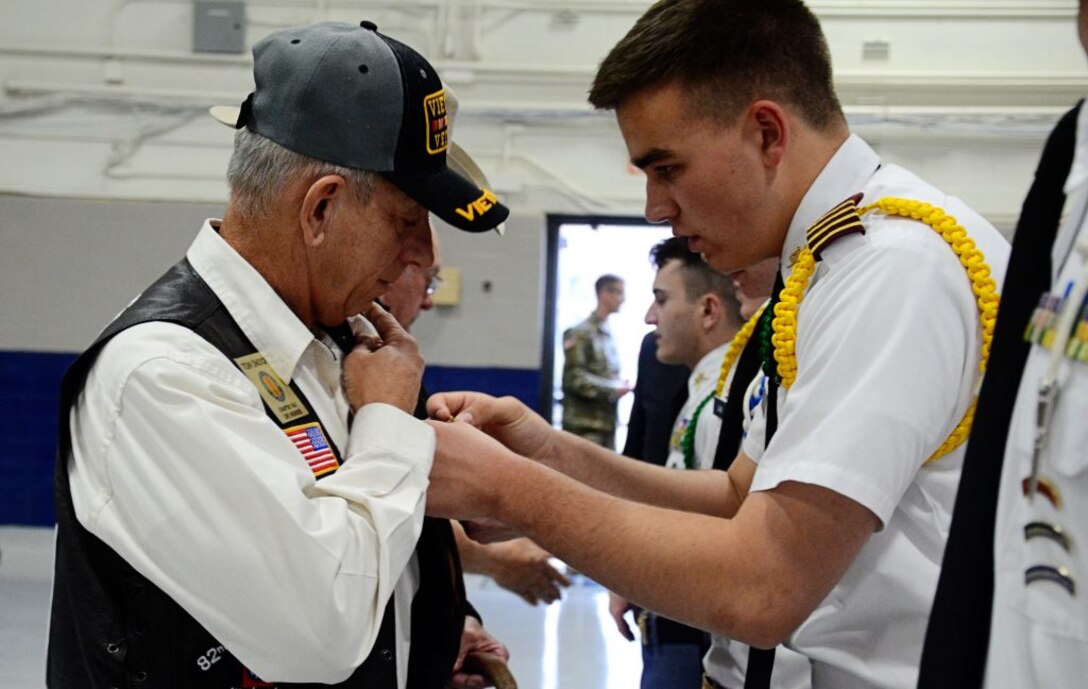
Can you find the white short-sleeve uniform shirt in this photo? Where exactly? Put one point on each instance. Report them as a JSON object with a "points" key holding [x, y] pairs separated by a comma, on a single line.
{"points": [[888, 354], [726, 661], [701, 384], [1039, 632]]}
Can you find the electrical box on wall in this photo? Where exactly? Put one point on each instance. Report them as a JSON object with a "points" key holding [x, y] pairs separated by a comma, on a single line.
{"points": [[449, 290], [219, 26]]}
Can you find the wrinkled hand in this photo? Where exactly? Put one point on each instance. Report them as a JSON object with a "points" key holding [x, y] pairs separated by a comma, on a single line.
{"points": [[618, 607], [504, 418], [475, 639], [524, 568], [384, 368], [462, 484]]}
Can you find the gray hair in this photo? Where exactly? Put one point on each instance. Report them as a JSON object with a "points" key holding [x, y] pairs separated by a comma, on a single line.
{"points": [[260, 168]]}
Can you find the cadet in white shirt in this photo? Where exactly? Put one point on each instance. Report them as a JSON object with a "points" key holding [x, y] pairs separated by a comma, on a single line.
{"points": [[829, 537], [698, 314], [1016, 565], [1042, 565], [695, 314], [241, 481]]}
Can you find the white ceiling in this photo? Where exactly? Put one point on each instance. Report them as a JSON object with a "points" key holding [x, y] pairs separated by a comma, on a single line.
{"points": [[106, 98]]}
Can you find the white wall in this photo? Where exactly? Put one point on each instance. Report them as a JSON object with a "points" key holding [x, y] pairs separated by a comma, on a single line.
{"points": [[69, 265], [113, 163]]}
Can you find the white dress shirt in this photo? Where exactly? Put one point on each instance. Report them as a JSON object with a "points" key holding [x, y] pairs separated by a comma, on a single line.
{"points": [[887, 353], [702, 382], [727, 660], [177, 467], [1039, 633]]}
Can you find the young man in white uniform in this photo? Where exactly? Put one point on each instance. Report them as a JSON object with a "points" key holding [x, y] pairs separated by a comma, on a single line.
{"points": [[1026, 470], [1039, 601], [828, 538], [695, 314]]}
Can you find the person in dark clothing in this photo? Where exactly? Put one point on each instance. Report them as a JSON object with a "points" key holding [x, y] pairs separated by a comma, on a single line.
{"points": [[660, 390]]}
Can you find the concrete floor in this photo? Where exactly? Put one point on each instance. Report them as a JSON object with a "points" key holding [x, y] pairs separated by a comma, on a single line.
{"points": [[572, 644]]}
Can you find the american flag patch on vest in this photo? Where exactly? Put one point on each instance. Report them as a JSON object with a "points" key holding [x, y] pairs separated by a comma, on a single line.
{"points": [[311, 442]]}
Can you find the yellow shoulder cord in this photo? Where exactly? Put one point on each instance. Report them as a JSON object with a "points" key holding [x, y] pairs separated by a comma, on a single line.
{"points": [[784, 324], [736, 346]]}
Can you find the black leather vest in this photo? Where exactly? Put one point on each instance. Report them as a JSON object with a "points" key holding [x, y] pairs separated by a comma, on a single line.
{"points": [[111, 627]]}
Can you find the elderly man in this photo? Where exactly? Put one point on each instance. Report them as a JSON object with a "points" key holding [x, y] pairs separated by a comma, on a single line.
{"points": [[828, 529], [518, 565], [411, 293], [241, 482]]}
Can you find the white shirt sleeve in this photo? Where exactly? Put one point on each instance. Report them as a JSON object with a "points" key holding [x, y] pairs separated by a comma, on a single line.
{"points": [[867, 410], [177, 468]]}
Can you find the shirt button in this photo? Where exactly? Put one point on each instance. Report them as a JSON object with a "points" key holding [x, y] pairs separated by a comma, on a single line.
{"points": [[386, 655]]}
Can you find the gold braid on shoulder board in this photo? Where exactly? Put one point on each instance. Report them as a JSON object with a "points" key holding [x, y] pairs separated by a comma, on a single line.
{"points": [[846, 219]]}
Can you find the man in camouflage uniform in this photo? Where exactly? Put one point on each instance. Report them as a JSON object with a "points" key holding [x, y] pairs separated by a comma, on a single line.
{"points": [[591, 370]]}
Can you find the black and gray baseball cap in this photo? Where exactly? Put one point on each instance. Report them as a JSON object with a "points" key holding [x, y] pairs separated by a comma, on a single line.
{"points": [[352, 96]]}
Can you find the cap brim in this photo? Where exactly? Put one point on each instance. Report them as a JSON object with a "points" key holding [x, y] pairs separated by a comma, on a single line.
{"points": [[462, 163], [226, 114], [453, 198]]}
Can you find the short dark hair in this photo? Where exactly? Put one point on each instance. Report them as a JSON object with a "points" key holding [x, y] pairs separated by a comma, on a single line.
{"points": [[606, 281], [726, 54], [699, 278]]}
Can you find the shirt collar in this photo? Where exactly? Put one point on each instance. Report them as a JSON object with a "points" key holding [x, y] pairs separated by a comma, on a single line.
{"points": [[842, 177], [1078, 172], [1076, 202], [262, 315], [708, 368]]}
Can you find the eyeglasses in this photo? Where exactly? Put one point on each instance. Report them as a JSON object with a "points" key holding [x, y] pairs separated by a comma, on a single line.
{"points": [[433, 285]]}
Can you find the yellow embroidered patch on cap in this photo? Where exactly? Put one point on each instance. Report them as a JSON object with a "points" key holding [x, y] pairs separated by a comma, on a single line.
{"points": [[434, 111]]}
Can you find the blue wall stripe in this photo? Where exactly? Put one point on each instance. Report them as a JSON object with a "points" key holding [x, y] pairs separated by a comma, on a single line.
{"points": [[29, 388], [30, 385], [519, 382]]}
